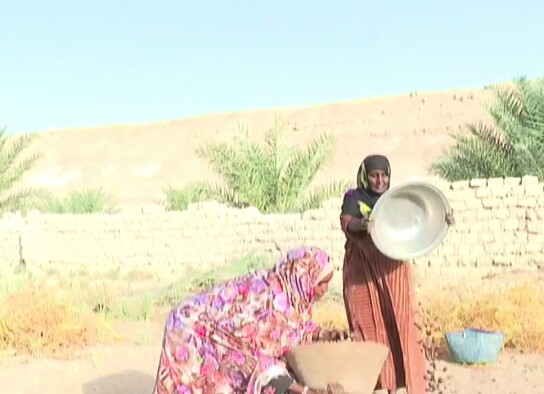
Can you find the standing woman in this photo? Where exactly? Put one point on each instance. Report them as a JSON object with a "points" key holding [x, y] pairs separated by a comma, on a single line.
{"points": [[378, 291]]}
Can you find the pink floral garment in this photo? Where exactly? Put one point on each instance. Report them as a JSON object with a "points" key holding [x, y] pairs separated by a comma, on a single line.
{"points": [[219, 341]]}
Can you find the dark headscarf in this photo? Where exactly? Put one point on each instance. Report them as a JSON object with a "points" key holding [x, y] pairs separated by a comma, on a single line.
{"points": [[359, 202]]}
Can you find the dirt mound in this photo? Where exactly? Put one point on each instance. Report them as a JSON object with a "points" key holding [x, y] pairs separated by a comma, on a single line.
{"points": [[136, 162]]}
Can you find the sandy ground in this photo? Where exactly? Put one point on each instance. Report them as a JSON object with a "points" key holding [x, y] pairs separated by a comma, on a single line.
{"points": [[135, 163], [130, 369]]}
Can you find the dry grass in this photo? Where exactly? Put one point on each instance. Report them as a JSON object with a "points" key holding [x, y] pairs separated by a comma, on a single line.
{"points": [[517, 311], [330, 312], [52, 314], [51, 317], [45, 321]]}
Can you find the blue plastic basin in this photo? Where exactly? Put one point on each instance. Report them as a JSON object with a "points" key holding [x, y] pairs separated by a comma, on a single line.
{"points": [[475, 346]]}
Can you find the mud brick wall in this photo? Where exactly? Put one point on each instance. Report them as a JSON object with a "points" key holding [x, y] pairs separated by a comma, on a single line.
{"points": [[500, 226]]}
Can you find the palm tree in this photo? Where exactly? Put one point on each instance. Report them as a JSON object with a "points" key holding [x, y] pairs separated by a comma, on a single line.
{"points": [[512, 147], [12, 170], [271, 177]]}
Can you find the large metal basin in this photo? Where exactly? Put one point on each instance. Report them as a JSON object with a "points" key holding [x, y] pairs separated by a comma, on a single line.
{"points": [[409, 220]]}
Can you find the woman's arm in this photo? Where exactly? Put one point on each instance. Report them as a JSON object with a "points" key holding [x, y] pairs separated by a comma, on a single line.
{"points": [[350, 216], [356, 225], [353, 225], [351, 219]]}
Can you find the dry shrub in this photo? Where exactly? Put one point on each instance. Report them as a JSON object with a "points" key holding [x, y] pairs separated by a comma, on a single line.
{"points": [[517, 311], [40, 320], [330, 313]]}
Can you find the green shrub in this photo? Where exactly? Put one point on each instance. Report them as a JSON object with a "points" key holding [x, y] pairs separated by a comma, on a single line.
{"points": [[12, 169], [272, 177], [79, 202], [179, 199], [512, 147]]}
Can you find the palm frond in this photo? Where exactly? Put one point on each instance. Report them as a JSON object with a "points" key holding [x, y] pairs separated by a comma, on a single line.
{"points": [[490, 136], [514, 146], [270, 176], [302, 168], [23, 199], [473, 158], [278, 155], [12, 170]]}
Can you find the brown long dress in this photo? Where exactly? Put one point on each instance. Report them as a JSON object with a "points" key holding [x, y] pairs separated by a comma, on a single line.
{"points": [[380, 304]]}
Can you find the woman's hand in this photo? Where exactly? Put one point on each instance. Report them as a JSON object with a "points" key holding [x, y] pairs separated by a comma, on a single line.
{"points": [[450, 220], [364, 224], [356, 225]]}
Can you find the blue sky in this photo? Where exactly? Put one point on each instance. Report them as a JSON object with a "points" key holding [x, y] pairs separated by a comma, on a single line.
{"points": [[85, 63]]}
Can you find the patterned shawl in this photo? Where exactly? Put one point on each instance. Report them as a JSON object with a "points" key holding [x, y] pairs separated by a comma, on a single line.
{"points": [[239, 329]]}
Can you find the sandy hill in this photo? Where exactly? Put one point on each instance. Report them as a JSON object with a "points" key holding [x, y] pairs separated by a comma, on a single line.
{"points": [[136, 162]]}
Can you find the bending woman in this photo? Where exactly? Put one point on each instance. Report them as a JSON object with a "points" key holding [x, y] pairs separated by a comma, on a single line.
{"points": [[232, 338], [378, 291]]}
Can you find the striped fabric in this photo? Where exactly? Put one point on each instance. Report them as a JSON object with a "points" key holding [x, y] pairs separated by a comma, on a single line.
{"points": [[380, 304]]}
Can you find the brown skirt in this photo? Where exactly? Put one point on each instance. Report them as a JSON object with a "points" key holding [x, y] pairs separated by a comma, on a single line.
{"points": [[380, 305]]}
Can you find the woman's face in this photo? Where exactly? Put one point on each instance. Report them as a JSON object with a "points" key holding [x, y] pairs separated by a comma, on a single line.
{"points": [[322, 287], [378, 181]]}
